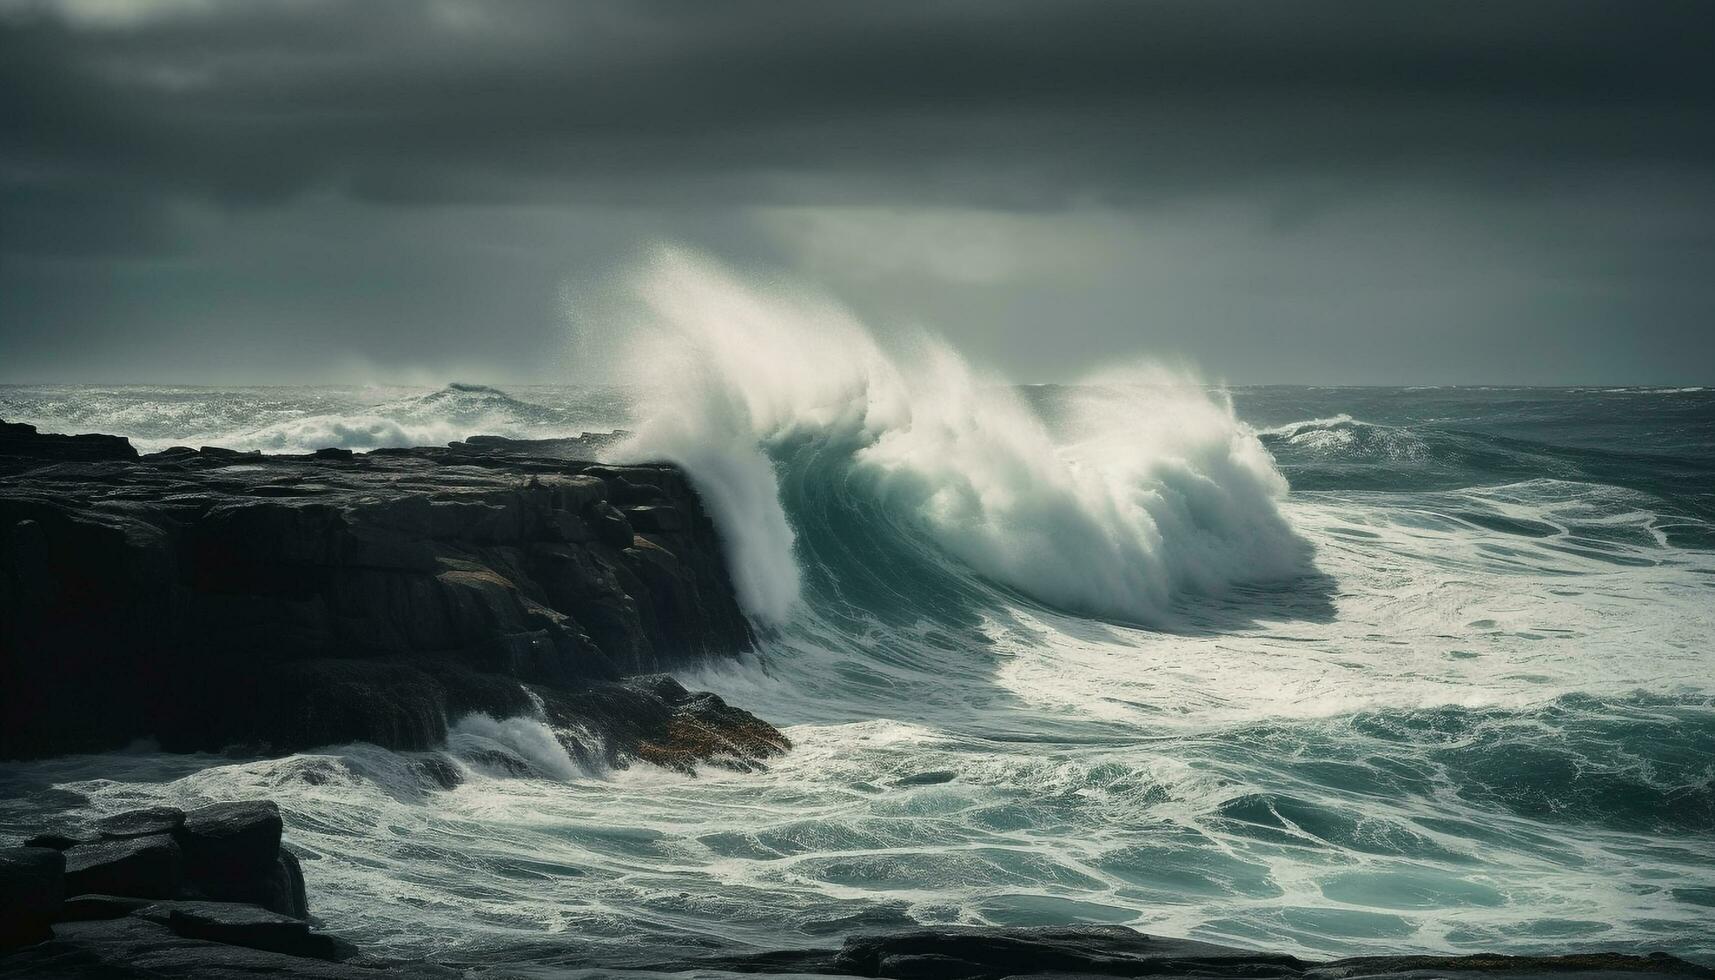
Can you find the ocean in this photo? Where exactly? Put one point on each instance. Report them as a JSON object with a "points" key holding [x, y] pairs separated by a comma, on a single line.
{"points": [[1327, 670]]}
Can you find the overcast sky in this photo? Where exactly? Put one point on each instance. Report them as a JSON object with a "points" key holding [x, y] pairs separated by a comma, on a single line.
{"points": [[1322, 192]]}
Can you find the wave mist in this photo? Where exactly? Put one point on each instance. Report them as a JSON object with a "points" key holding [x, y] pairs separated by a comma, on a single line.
{"points": [[1144, 487]]}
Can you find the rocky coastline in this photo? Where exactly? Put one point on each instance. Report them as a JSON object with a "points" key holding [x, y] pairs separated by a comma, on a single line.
{"points": [[214, 600]]}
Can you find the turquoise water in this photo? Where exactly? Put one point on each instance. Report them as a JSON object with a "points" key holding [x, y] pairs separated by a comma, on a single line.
{"points": [[1327, 670]]}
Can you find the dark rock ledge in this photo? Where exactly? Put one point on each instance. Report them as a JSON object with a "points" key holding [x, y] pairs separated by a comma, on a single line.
{"points": [[214, 600], [994, 953], [164, 892]]}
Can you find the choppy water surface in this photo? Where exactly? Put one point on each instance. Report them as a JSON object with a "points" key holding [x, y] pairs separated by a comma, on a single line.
{"points": [[1451, 690]]}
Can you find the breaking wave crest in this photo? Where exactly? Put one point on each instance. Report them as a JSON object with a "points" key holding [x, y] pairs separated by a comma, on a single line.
{"points": [[1144, 487], [453, 412], [1344, 436]]}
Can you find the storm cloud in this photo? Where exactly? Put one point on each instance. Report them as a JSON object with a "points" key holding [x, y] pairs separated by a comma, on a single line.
{"points": [[1319, 191]]}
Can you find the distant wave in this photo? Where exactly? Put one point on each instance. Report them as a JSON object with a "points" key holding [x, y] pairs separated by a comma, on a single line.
{"points": [[453, 412], [1149, 488], [1342, 435], [1646, 390], [298, 420]]}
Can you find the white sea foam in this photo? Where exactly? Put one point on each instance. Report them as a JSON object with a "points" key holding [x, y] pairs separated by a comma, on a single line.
{"points": [[527, 739], [1154, 488]]}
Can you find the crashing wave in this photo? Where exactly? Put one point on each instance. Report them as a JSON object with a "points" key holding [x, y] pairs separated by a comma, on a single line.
{"points": [[1148, 486]]}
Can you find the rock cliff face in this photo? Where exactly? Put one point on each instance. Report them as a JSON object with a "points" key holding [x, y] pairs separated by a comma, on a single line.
{"points": [[208, 598]]}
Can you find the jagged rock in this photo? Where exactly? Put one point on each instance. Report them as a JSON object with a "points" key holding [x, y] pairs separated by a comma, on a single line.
{"points": [[138, 867], [656, 719], [19, 439], [32, 884], [612, 527], [53, 840], [207, 598], [140, 823]]}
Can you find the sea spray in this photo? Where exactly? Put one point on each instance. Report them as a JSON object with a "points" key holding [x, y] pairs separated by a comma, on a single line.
{"points": [[1154, 490]]}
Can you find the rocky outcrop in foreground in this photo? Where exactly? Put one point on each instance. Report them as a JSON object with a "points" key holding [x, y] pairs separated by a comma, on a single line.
{"points": [[166, 892], [211, 599]]}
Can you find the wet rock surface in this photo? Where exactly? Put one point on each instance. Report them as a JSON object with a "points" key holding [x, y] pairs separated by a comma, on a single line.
{"points": [[141, 823], [143, 867], [211, 600], [135, 906], [229, 852]]}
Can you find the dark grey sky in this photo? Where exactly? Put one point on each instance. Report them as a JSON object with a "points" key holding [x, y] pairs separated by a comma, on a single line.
{"points": [[1355, 191]]}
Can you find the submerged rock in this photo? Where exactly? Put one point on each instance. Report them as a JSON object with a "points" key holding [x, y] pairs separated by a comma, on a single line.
{"points": [[438, 772]]}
